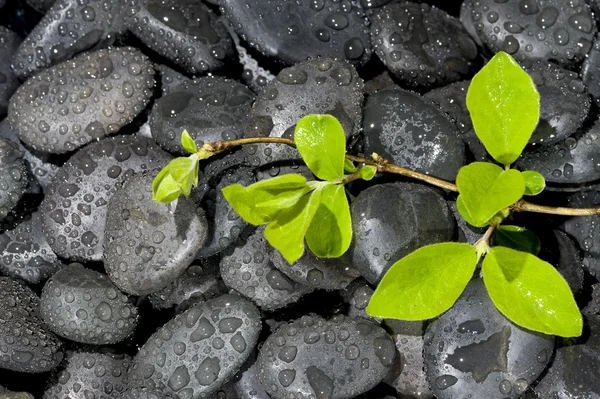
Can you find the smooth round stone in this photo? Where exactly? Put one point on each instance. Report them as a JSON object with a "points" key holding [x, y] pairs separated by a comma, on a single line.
{"points": [[84, 306], [411, 381], [357, 295], [590, 71], [422, 45], [389, 221], [321, 86], [81, 100], [529, 29], [248, 268], [91, 374], [194, 354], [69, 28], [313, 357], [9, 42], [210, 108], [13, 176], [169, 78], [149, 244], [407, 130], [27, 345], [74, 209], [337, 29], [25, 253], [472, 349], [185, 32]]}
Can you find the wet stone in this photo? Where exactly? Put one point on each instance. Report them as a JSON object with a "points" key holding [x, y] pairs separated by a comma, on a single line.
{"points": [[411, 381], [337, 29], [85, 306], [321, 86], [25, 253], [9, 41], [169, 78], [84, 99], [314, 357], [185, 32], [357, 295], [149, 244], [91, 374], [245, 384], [422, 45], [407, 130], [590, 70], [40, 5], [69, 28], [529, 30], [27, 345], [210, 108], [13, 176], [248, 269], [391, 220], [74, 225], [209, 355], [473, 349]]}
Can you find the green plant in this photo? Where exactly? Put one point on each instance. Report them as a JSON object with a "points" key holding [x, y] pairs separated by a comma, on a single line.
{"points": [[504, 106]]}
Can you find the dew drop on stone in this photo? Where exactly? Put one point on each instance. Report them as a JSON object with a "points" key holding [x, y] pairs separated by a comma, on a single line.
{"points": [[288, 353], [103, 311], [321, 384], [445, 381], [208, 371], [286, 377], [505, 387], [205, 330], [385, 350], [229, 324]]}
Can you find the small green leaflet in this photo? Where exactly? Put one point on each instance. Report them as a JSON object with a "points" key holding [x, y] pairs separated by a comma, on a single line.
{"points": [[185, 172], [188, 143], [505, 107], [286, 234], [425, 283], [534, 182], [321, 142], [368, 172], [164, 188], [349, 166], [518, 238], [485, 189], [261, 202], [531, 293], [330, 233]]}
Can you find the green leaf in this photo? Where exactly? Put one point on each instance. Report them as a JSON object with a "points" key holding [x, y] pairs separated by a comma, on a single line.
{"points": [[368, 172], [531, 293], [321, 142], [188, 143], [485, 189], [534, 182], [425, 283], [517, 238], [330, 233], [167, 190], [460, 206], [184, 171], [505, 107], [349, 166], [286, 234], [261, 202]]}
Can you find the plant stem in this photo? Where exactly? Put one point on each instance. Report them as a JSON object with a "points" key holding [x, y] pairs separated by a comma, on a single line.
{"points": [[385, 166]]}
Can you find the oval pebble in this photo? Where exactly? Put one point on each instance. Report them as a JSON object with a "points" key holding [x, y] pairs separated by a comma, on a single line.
{"points": [[337, 29], [74, 209], [391, 220], [9, 42], [13, 176], [248, 269], [149, 244], [194, 354], [185, 32], [26, 345], [69, 28], [407, 130], [82, 100], [84, 306], [169, 78], [317, 358], [422, 45], [472, 349], [210, 108], [321, 86], [90, 374]]}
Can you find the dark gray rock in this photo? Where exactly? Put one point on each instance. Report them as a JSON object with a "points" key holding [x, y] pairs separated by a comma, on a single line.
{"points": [[422, 45], [312, 357], [169, 78], [590, 71], [389, 221], [184, 31], [336, 29], [84, 306], [9, 42], [73, 103], [40, 6], [90, 374], [357, 295], [321, 86], [26, 344], [196, 352], [411, 381], [69, 28], [13, 176], [409, 131], [74, 209], [149, 244], [473, 349], [466, 18]]}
